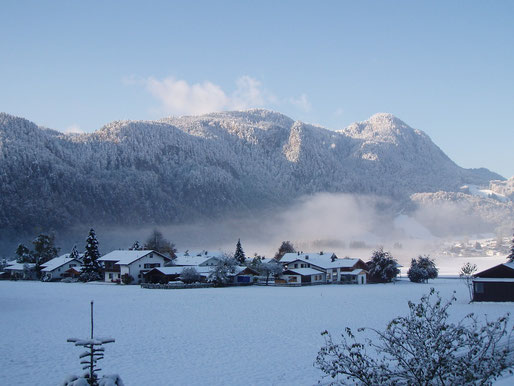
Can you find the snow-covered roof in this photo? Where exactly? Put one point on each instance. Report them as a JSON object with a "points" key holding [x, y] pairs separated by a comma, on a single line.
{"points": [[509, 265], [178, 270], [19, 266], [125, 257], [193, 260], [354, 272], [57, 262], [305, 271], [321, 260], [494, 279]]}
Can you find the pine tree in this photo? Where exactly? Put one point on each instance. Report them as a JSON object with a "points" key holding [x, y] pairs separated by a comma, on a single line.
{"points": [[239, 255], [74, 254], [91, 269], [511, 255]]}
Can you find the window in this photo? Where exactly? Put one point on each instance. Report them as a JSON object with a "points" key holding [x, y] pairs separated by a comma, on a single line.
{"points": [[152, 265], [110, 276], [296, 265], [479, 288]]}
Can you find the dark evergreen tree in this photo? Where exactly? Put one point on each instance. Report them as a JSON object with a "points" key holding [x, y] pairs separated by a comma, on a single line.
{"points": [[383, 268], [422, 269], [23, 254], [239, 255], [157, 242], [44, 250], [91, 268], [74, 254], [285, 247], [511, 254]]}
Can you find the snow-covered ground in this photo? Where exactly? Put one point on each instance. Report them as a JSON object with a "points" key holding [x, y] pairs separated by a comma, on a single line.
{"points": [[225, 336]]}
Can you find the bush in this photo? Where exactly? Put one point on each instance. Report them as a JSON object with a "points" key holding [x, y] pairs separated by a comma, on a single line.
{"points": [[422, 269], [422, 348], [190, 275], [383, 268], [126, 278]]}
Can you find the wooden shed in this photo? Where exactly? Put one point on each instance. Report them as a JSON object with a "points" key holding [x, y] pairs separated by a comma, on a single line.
{"points": [[495, 284]]}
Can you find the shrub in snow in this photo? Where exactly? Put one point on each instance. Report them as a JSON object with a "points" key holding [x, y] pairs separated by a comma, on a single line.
{"points": [[223, 271], [466, 274], [422, 269], [106, 380], [422, 348], [190, 275], [383, 268], [126, 278], [271, 268]]}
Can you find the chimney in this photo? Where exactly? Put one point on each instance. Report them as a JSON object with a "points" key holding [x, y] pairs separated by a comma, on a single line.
{"points": [[307, 257]]}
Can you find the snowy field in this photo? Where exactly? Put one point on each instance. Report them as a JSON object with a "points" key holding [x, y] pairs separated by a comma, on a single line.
{"points": [[225, 336]]}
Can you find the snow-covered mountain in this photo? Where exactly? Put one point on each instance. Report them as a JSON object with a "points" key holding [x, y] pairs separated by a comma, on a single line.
{"points": [[177, 169]]}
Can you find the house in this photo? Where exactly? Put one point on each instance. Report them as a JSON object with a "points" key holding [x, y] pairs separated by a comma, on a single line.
{"points": [[342, 271], [57, 268], [245, 275], [495, 284], [164, 275], [25, 271], [131, 262], [198, 259], [304, 276]]}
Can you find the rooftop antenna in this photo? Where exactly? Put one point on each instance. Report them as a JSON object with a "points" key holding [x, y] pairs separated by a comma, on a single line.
{"points": [[94, 353]]}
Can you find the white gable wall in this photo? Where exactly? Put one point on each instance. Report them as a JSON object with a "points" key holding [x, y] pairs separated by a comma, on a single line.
{"points": [[135, 269]]}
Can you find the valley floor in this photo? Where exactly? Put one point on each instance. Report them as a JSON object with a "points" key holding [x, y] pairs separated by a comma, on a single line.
{"points": [[226, 336]]}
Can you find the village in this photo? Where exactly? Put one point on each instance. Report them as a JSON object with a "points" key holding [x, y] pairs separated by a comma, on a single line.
{"points": [[157, 264]]}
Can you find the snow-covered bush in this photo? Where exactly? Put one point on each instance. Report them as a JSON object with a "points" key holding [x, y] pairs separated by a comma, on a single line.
{"points": [[190, 275], [422, 348], [383, 268], [223, 271], [422, 269], [106, 380], [126, 278]]}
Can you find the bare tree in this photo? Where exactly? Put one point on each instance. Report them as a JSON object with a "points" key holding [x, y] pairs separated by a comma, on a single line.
{"points": [[466, 274]]}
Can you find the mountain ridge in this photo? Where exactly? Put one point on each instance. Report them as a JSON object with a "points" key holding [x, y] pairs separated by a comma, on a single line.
{"points": [[177, 168]]}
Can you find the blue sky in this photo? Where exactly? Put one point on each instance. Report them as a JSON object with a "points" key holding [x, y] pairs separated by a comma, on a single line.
{"points": [[445, 67]]}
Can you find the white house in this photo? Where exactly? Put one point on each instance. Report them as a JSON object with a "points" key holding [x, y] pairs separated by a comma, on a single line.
{"points": [[346, 270], [134, 263], [21, 270], [304, 276], [56, 268]]}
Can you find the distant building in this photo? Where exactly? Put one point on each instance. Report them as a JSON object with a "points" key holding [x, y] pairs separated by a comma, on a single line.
{"points": [[495, 284], [131, 262], [58, 267], [342, 271]]}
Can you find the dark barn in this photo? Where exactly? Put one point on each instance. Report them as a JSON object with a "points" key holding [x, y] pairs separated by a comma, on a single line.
{"points": [[495, 284]]}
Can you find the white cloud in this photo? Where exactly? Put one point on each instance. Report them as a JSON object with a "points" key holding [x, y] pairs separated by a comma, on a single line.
{"points": [[301, 102], [179, 97]]}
